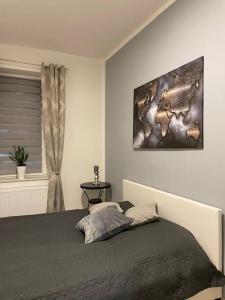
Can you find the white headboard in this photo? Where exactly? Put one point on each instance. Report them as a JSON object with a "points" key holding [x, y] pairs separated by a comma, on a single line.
{"points": [[204, 221]]}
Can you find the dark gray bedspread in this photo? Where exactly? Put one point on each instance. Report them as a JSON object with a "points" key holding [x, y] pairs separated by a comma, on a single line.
{"points": [[44, 257]]}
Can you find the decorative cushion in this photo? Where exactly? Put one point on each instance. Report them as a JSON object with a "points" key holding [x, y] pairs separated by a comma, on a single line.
{"points": [[125, 205], [142, 214], [99, 206], [103, 224]]}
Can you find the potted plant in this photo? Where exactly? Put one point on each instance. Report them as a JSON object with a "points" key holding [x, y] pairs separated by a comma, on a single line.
{"points": [[19, 156]]}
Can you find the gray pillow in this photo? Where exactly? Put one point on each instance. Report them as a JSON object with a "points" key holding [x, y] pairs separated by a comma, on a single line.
{"points": [[125, 205], [103, 224], [142, 214]]}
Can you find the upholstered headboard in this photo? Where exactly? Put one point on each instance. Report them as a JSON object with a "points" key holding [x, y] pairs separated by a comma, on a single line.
{"points": [[204, 221]]}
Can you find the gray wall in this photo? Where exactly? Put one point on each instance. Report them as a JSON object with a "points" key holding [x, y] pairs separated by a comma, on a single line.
{"points": [[185, 31]]}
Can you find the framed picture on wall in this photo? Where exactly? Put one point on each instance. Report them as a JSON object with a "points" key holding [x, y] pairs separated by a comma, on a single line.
{"points": [[168, 111]]}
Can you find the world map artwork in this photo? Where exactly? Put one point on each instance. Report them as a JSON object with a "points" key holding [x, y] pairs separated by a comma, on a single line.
{"points": [[168, 111]]}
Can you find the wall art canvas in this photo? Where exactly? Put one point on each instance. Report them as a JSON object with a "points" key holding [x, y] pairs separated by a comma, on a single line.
{"points": [[168, 111]]}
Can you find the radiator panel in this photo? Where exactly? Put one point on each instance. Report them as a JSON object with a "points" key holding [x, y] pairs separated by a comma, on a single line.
{"points": [[23, 201]]}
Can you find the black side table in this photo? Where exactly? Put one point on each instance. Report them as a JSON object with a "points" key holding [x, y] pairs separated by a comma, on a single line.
{"points": [[91, 186]]}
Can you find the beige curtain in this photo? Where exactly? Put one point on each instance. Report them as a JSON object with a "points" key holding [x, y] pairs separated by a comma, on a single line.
{"points": [[53, 110]]}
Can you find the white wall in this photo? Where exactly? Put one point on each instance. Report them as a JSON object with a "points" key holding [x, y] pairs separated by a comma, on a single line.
{"points": [[84, 135]]}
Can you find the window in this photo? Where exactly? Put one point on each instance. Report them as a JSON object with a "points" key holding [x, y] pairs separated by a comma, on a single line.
{"points": [[20, 122]]}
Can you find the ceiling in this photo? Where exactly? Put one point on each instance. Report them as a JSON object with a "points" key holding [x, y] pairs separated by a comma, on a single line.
{"points": [[93, 28]]}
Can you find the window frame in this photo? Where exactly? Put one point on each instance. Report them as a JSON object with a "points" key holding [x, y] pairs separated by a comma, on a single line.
{"points": [[13, 70]]}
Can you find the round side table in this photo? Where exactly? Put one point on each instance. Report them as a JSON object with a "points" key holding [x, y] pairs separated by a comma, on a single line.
{"points": [[91, 186]]}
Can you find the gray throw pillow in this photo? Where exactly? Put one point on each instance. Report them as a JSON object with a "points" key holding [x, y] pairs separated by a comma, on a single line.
{"points": [[142, 214], [103, 224]]}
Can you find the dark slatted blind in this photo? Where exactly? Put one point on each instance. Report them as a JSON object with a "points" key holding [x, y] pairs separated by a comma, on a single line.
{"points": [[20, 122]]}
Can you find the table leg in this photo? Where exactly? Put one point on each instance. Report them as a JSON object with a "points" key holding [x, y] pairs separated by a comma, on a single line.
{"points": [[100, 193], [88, 199]]}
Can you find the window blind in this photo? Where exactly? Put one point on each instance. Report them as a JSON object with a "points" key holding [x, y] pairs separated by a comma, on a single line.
{"points": [[20, 122]]}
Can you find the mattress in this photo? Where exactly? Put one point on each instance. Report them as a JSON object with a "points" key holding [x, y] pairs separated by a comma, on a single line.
{"points": [[44, 257]]}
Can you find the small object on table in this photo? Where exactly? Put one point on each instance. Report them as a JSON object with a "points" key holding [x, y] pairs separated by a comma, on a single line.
{"points": [[92, 186], [96, 172]]}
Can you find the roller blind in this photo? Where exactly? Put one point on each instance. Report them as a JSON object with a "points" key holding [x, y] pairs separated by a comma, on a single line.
{"points": [[20, 122]]}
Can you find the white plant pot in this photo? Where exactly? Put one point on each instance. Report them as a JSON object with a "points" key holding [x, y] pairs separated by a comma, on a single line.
{"points": [[21, 171]]}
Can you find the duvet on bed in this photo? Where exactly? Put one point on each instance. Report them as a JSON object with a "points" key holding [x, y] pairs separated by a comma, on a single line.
{"points": [[44, 257]]}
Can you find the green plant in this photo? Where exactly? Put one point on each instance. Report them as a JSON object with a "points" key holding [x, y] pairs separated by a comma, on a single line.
{"points": [[19, 156]]}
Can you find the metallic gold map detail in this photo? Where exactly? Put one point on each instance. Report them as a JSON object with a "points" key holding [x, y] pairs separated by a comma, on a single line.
{"points": [[193, 132], [168, 111], [163, 118]]}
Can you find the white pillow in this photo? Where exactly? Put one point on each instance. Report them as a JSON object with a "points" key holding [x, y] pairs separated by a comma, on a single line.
{"points": [[142, 214], [96, 207]]}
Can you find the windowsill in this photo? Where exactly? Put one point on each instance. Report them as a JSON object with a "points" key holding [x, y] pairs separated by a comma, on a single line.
{"points": [[29, 177]]}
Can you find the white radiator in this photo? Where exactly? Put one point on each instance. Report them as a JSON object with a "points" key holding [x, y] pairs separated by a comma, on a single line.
{"points": [[29, 199]]}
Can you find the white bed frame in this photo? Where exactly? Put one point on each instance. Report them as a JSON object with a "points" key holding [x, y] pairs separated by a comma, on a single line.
{"points": [[204, 221]]}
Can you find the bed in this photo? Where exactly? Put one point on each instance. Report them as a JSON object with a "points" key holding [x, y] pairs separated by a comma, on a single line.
{"points": [[44, 256], [203, 221]]}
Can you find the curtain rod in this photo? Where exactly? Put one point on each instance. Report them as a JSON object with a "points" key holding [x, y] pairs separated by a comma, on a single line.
{"points": [[22, 62]]}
